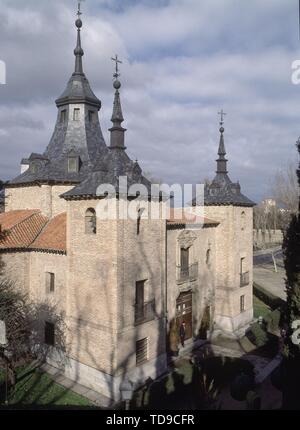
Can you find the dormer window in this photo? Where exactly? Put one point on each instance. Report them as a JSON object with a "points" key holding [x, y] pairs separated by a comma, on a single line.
{"points": [[63, 116], [73, 164], [33, 168], [76, 114]]}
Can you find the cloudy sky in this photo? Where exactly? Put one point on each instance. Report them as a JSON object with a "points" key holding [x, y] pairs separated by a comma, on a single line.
{"points": [[183, 60]]}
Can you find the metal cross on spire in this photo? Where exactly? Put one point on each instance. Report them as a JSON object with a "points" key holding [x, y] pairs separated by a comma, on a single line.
{"points": [[222, 113], [117, 61], [79, 13]]}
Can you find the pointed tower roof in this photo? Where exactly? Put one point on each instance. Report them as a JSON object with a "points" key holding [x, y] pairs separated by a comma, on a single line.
{"points": [[117, 163], [77, 141], [78, 89], [117, 132], [222, 191], [117, 115], [222, 161]]}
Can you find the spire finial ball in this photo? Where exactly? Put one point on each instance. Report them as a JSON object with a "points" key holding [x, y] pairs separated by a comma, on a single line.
{"points": [[78, 23], [222, 129], [117, 84]]}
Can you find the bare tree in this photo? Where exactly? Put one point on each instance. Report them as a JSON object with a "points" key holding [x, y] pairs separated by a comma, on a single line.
{"points": [[24, 323], [285, 189]]}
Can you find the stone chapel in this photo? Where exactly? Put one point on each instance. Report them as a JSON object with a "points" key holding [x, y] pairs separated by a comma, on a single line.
{"points": [[120, 284]]}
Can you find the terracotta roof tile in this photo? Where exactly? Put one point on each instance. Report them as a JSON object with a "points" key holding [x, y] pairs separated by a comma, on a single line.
{"points": [[20, 228], [53, 236]]}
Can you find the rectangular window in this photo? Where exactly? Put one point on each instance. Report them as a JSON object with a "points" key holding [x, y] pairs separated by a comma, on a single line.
{"points": [[184, 262], [184, 258], [76, 114], [140, 293], [49, 334], [50, 282], [242, 267], [91, 116], [242, 303], [141, 351], [63, 116]]}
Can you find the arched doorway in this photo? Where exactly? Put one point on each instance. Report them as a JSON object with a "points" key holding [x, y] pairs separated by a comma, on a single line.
{"points": [[184, 312]]}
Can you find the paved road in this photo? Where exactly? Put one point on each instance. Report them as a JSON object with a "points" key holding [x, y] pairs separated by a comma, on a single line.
{"points": [[267, 258], [265, 275]]}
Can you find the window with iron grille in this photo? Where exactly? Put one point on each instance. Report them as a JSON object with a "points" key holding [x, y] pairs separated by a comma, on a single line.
{"points": [[242, 303], [141, 351], [49, 333], [50, 282]]}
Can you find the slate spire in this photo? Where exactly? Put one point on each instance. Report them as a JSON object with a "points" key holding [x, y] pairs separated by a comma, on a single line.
{"points": [[117, 132], [78, 51], [221, 161], [78, 89], [77, 143]]}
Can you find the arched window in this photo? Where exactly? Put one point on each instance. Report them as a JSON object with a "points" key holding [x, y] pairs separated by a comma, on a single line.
{"points": [[90, 221]]}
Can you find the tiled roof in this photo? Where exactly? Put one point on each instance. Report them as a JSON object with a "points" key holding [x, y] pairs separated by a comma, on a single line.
{"points": [[21, 228], [180, 216], [115, 165], [223, 192], [53, 236], [29, 229]]}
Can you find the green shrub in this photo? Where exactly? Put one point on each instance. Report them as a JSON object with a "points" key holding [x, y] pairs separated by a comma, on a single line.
{"points": [[224, 370], [273, 321], [257, 335], [240, 386]]}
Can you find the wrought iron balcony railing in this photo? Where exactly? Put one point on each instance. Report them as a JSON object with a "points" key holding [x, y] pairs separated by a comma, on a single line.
{"points": [[244, 279], [144, 312], [189, 273]]}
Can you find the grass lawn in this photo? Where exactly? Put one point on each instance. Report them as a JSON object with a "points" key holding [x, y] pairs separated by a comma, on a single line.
{"points": [[37, 388], [260, 308]]}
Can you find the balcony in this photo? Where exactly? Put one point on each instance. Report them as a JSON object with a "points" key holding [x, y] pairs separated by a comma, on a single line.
{"points": [[189, 273], [144, 312], [244, 279]]}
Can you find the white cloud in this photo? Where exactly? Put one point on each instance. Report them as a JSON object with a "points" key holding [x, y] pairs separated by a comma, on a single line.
{"points": [[183, 60]]}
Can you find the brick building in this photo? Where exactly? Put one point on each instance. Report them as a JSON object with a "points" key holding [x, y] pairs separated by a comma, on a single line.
{"points": [[121, 283]]}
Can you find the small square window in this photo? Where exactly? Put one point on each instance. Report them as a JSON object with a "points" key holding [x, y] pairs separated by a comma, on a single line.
{"points": [[141, 351], [63, 116], [49, 333], [76, 114], [50, 282]]}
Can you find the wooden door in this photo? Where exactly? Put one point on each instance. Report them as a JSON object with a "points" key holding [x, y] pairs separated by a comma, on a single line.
{"points": [[184, 313]]}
